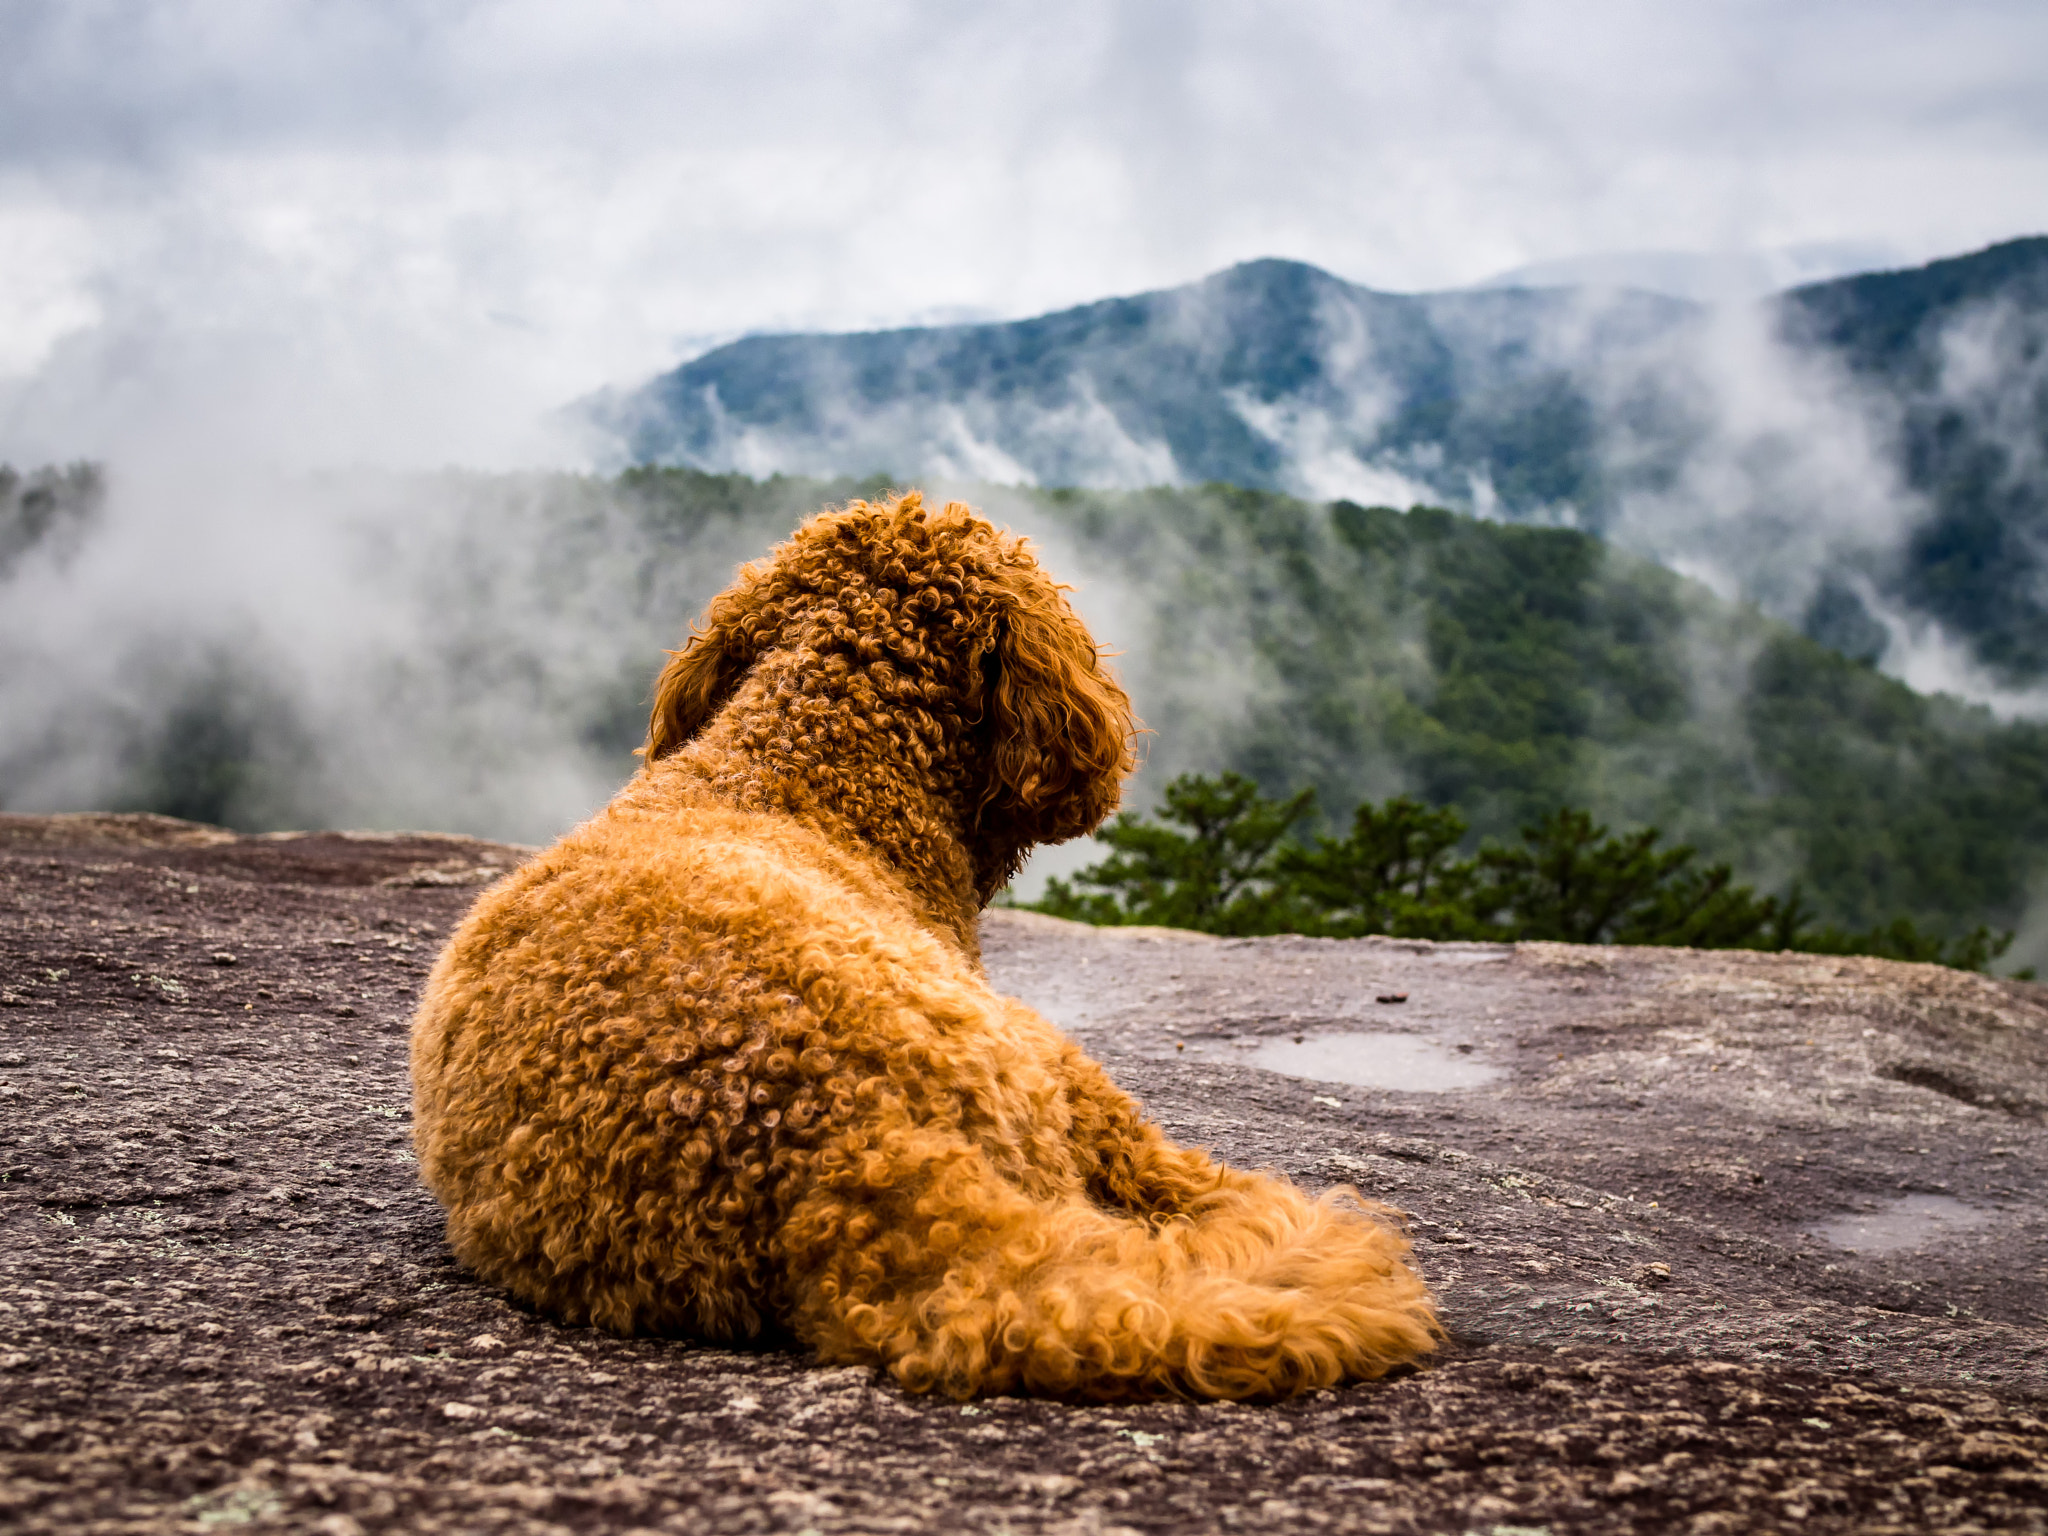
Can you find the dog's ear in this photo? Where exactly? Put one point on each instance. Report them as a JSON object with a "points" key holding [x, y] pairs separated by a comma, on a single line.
{"points": [[696, 682], [1060, 726]]}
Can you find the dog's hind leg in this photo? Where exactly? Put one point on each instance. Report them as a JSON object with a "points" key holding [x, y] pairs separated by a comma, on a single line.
{"points": [[1128, 1162], [1125, 1161], [911, 1251]]}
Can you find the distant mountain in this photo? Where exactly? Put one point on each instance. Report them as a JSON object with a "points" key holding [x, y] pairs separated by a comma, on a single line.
{"points": [[1866, 457], [1273, 375]]}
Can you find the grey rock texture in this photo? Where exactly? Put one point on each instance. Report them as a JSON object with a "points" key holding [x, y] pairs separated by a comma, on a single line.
{"points": [[1727, 1242], [1711, 1112]]}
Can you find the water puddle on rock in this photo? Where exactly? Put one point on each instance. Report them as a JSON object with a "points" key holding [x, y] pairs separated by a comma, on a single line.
{"points": [[1913, 1221], [1400, 1063]]}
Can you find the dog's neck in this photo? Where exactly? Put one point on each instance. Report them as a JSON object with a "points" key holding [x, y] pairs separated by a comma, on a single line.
{"points": [[868, 778]]}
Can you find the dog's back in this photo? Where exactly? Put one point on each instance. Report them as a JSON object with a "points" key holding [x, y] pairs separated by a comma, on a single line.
{"points": [[609, 1063]]}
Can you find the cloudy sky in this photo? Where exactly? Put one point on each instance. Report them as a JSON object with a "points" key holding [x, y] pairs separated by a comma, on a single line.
{"points": [[357, 232]]}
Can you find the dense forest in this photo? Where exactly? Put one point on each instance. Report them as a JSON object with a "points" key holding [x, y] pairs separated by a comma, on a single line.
{"points": [[1513, 670], [495, 631]]}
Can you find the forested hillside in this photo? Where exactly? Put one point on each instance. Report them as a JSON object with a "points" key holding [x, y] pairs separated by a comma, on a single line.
{"points": [[473, 653], [1510, 670]]}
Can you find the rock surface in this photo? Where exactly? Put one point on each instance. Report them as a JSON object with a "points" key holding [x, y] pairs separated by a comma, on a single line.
{"points": [[1727, 1241]]}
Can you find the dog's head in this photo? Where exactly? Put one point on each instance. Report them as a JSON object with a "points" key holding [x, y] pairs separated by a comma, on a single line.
{"points": [[935, 615]]}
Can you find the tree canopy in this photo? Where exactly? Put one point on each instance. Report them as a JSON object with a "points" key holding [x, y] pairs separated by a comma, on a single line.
{"points": [[1219, 857]]}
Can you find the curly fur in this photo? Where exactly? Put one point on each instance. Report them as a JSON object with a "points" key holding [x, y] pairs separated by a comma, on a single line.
{"points": [[723, 1061]]}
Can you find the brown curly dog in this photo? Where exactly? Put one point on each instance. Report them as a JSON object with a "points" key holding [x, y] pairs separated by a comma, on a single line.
{"points": [[723, 1062]]}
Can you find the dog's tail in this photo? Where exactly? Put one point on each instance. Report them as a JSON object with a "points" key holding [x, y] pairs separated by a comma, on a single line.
{"points": [[914, 1253]]}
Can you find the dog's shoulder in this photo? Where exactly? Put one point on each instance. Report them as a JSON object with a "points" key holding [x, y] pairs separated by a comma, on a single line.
{"points": [[756, 879]]}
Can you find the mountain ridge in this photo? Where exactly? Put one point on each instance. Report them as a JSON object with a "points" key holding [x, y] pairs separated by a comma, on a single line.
{"points": [[1175, 385], [1866, 456]]}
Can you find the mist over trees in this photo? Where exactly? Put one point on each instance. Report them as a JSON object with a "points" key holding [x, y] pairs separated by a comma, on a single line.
{"points": [[1960, 349], [48, 512], [474, 653]]}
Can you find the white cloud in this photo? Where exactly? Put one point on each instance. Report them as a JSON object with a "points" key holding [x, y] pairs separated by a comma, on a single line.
{"points": [[1788, 472], [401, 233], [44, 252]]}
